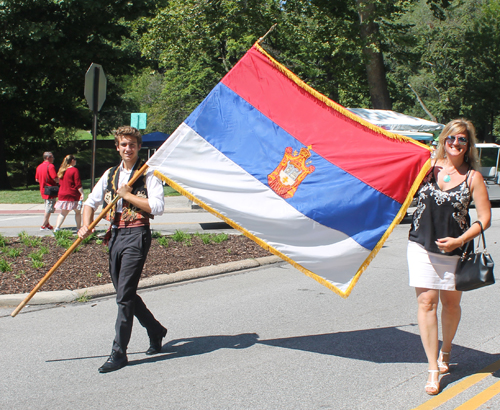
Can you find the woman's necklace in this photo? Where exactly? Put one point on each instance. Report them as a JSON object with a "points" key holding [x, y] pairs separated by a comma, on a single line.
{"points": [[447, 177]]}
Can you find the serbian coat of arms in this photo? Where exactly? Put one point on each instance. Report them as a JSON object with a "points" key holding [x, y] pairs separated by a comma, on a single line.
{"points": [[290, 172]]}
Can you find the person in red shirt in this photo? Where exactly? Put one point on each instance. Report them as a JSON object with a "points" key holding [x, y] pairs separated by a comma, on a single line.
{"points": [[70, 192], [46, 176]]}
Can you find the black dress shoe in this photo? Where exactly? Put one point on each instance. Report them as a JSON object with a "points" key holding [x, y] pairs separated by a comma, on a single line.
{"points": [[155, 343], [115, 362]]}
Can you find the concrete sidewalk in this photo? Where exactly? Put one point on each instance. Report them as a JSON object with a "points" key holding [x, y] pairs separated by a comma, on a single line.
{"points": [[173, 204]]}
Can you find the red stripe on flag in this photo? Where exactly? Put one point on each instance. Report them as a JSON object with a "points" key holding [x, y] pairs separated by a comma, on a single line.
{"points": [[376, 159]]}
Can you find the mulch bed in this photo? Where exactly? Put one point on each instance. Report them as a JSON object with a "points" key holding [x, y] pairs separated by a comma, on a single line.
{"points": [[88, 266]]}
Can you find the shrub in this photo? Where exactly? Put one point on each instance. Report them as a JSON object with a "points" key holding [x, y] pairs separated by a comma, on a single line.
{"points": [[64, 239], [162, 241], [221, 237], [13, 252], [29, 241], [91, 237], [5, 266], [3, 241], [37, 264], [36, 256], [156, 235]]}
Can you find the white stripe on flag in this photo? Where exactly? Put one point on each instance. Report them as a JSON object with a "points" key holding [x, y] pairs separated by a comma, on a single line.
{"points": [[194, 164]]}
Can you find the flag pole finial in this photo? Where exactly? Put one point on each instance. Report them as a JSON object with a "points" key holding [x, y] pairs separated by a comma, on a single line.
{"points": [[268, 31]]}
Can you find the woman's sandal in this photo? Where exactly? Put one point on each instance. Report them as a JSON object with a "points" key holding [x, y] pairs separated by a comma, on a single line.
{"points": [[432, 387], [444, 367]]}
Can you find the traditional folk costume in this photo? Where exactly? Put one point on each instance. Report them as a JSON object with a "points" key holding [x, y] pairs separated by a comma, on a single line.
{"points": [[129, 243]]}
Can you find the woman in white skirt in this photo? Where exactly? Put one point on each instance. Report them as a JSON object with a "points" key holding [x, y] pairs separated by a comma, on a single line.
{"points": [[440, 228]]}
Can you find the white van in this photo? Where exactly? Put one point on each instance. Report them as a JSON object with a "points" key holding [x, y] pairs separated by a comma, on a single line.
{"points": [[489, 156]]}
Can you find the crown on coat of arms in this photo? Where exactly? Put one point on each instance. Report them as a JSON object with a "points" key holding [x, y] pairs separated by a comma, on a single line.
{"points": [[290, 172]]}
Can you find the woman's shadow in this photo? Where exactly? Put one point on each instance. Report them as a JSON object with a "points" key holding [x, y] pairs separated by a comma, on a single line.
{"points": [[378, 345]]}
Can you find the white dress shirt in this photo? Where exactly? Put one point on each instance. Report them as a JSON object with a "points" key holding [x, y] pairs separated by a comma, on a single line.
{"points": [[153, 184]]}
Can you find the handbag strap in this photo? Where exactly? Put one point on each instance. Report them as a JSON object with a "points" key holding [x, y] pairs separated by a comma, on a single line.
{"points": [[482, 235], [466, 250]]}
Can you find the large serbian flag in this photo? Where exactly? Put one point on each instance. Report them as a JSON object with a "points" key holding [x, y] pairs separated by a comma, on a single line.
{"points": [[294, 171]]}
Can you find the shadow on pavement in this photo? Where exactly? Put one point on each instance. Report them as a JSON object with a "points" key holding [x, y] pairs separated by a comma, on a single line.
{"points": [[379, 345], [200, 345]]}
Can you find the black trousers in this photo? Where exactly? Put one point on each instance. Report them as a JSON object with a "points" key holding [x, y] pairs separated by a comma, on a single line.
{"points": [[128, 249]]}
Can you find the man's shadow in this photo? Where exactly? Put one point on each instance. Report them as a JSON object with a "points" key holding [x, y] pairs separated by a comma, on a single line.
{"points": [[378, 345], [194, 346]]}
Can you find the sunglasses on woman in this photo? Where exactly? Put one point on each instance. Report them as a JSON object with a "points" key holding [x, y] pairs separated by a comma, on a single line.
{"points": [[450, 139]]}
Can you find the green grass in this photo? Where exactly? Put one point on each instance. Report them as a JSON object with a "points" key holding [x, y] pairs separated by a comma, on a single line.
{"points": [[82, 135], [84, 298]]}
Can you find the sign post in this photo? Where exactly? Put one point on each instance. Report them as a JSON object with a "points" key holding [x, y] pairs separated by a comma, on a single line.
{"points": [[138, 120], [95, 94]]}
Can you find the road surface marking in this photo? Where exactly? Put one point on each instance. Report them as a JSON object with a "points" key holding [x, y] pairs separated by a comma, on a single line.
{"points": [[454, 391]]}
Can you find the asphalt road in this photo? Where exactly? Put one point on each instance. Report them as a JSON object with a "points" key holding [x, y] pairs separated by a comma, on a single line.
{"points": [[267, 338]]}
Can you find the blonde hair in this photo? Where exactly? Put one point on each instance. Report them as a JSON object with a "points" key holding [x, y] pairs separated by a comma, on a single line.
{"points": [[460, 126], [68, 159]]}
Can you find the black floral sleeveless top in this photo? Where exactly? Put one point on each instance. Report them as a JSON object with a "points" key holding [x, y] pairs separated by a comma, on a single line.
{"points": [[440, 214]]}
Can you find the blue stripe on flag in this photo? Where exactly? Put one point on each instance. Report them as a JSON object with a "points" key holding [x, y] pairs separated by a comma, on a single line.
{"points": [[329, 195]]}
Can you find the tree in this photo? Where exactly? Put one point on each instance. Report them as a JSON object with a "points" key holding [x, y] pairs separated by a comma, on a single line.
{"points": [[374, 60], [451, 59], [46, 48], [191, 44]]}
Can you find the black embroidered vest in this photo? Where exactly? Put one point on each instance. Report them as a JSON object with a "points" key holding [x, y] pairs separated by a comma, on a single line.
{"points": [[129, 211]]}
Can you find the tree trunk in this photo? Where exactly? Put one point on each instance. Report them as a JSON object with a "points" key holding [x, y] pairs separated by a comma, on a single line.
{"points": [[4, 181], [374, 60]]}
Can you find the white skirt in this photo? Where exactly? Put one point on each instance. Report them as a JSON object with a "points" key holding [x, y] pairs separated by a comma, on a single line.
{"points": [[431, 270]]}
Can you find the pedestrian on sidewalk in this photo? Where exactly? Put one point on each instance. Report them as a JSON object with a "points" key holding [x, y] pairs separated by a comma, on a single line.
{"points": [[46, 176], [440, 229], [129, 242], [70, 192]]}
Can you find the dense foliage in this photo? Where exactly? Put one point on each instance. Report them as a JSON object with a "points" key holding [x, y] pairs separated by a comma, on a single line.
{"points": [[435, 59], [45, 49]]}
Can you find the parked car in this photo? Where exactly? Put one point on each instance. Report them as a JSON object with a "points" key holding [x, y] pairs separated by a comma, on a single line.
{"points": [[489, 156]]}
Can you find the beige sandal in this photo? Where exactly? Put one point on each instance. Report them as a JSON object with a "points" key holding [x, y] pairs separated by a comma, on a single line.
{"points": [[444, 367], [432, 387]]}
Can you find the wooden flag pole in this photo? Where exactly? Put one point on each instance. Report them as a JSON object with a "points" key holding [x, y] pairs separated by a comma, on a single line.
{"points": [[268, 31], [75, 244]]}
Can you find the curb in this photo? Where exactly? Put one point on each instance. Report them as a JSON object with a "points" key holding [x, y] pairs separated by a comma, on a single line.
{"points": [[66, 296]]}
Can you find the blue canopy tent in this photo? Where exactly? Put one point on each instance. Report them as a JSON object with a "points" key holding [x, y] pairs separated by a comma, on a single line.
{"points": [[153, 140]]}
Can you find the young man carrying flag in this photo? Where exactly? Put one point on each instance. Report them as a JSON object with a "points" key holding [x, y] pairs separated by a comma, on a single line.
{"points": [[129, 241]]}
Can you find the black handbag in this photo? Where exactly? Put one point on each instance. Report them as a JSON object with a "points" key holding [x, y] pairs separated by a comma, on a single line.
{"points": [[50, 190], [474, 269]]}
